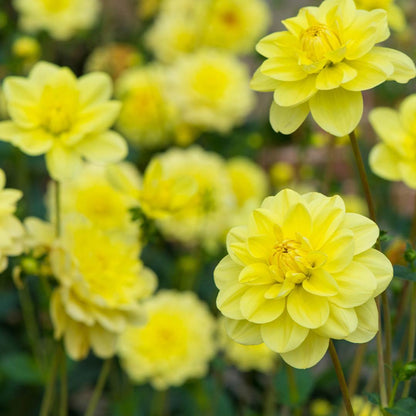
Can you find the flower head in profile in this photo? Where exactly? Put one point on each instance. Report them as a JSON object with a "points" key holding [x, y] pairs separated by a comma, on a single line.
{"points": [[327, 56], [301, 272], [394, 158], [175, 344], [101, 281], [67, 119], [11, 230], [60, 18]]}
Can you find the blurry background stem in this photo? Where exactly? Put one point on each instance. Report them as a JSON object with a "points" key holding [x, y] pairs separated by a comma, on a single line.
{"points": [[293, 390], [63, 399], [47, 401], [382, 364]]}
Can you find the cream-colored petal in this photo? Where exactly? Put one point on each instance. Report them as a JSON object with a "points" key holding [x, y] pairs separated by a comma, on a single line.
{"points": [[341, 322], [283, 334], [337, 111], [287, 119], [380, 266], [307, 310], [367, 328], [243, 332], [309, 353], [289, 94]]}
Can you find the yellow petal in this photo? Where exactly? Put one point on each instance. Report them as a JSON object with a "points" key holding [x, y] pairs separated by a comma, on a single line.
{"points": [[408, 173], [380, 266], [404, 67], [339, 250], [256, 308], [357, 285], [283, 334], [256, 274], [63, 163], [243, 332], [367, 327], [19, 91], [341, 322], [94, 88], [306, 309], [288, 94], [276, 44], [365, 231], [283, 69], [280, 204], [76, 309], [297, 220], [76, 340], [260, 246], [237, 246], [58, 315], [407, 113], [261, 222], [320, 283], [34, 142], [384, 162], [333, 76], [103, 342], [98, 118], [228, 300], [337, 111], [42, 72], [111, 320], [226, 273], [287, 119], [309, 353], [261, 82], [10, 131]]}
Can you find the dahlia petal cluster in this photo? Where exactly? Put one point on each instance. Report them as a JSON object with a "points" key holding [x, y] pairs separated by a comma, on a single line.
{"points": [[394, 158], [301, 272], [62, 19], [67, 119], [176, 343], [323, 61], [11, 230]]}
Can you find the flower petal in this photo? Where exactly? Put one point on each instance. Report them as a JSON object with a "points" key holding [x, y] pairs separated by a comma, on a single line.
{"points": [[228, 300], [367, 328], [365, 231], [404, 67], [288, 94], [94, 88], [384, 162], [243, 332], [256, 274], [339, 250], [333, 76], [337, 111], [261, 82], [287, 119], [341, 322], [320, 283], [103, 342], [226, 273], [63, 163], [283, 69]]}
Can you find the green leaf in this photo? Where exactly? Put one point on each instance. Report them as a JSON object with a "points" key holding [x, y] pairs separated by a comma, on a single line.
{"points": [[21, 368], [404, 273], [404, 407], [374, 398], [304, 385]]}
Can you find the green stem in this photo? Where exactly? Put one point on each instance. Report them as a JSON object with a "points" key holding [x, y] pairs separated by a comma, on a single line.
{"points": [[341, 378], [393, 393], [47, 400], [63, 406], [380, 360], [388, 336], [159, 403], [356, 368], [293, 390], [102, 378]]}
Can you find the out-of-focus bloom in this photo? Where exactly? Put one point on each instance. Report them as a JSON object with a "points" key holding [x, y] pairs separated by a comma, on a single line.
{"points": [[395, 15], [362, 407], [395, 251], [93, 196], [206, 217], [394, 158], [211, 90], [323, 61], [101, 281], [174, 345], [321, 407], [250, 186], [356, 204], [148, 8], [54, 113], [281, 174], [303, 271], [246, 357], [26, 48], [148, 116], [11, 230], [235, 25], [60, 18], [113, 58]]}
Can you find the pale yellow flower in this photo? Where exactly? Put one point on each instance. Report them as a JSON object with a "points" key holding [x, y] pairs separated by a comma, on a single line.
{"points": [[395, 15], [363, 407], [394, 158], [11, 230], [327, 56], [26, 48], [101, 281], [60, 18], [301, 272], [207, 215], [54, 113], [175, 344], [246, 357], [211, 90], [148, 115]]}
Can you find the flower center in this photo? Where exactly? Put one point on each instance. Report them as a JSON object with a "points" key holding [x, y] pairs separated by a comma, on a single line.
{"points": [[55, 6], [287, 256], [318, 40], [58, 106]]}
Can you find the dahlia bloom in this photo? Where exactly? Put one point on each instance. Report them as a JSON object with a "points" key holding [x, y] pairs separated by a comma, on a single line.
{"points": [[101, 281], [394, 158], [301, 272], [11, 230], [54, 113], [327, 56], [60, 18], [175, 344]]}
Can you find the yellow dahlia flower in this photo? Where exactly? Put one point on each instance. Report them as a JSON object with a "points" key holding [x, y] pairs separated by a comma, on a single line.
{"points": [[246, 357], [147, 117], [11, 230], [174, 345], [327, 56], [206, 217], [60, 18], [235, 25], [101, 281], [211, 90], [394, 158], [395, 15], [54, 113], [301, 272]]}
